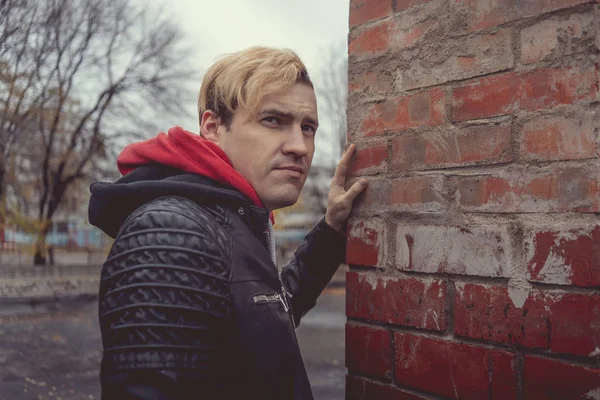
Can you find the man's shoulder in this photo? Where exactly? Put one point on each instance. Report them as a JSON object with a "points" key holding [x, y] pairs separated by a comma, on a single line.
{"points": [[175, 213]]}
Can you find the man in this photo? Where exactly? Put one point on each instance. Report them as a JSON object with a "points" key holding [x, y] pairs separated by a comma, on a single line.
{"points": [[192, 304]]}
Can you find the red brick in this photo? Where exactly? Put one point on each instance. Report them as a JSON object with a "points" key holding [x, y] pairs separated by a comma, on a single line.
{"points": [[368, 350], [556, 37], [366, 241], [486, 144], [370, 82], [362, 11], [418, 194], [548, 88], [455, 370], [457, 59], [488, 313], [481, 14], [564, 257], [569, 189], [409, 32], [553, 380], [360, 389], [561, 322], [370, 158], [370, 41], [558, 138], [373, 199], [404, 112], [481, 251], [402, 301], [405, 30], [485, 97], [540, 89], [416, 24]]}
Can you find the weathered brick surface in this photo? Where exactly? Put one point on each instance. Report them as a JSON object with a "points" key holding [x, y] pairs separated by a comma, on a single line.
{"points": [[421, 193], [366, 243], [416, 303], [405, 30], [559, 36], [368, 350], [478, 128], [547, 190], [553, 380], [481, 251], [477, 145], [536, 90], [459, 59], [370, 158], [372, 40], [402, 5], [560, 138], [482, 14], [537, 7], [404, 112], [561, 322], [375, 197], [371, 81], [362, 11], [360, 389], [564, 256], [455, 370]]}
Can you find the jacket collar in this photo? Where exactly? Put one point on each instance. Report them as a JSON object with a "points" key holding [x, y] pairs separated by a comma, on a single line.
{"points": [[111, 203]]}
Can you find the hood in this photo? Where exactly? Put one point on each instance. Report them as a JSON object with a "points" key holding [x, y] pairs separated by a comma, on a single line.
{"points": [[186, 151], [111, 203]]}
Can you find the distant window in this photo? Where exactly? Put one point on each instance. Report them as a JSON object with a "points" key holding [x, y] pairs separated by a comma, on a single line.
{"points": [[62, 227]]}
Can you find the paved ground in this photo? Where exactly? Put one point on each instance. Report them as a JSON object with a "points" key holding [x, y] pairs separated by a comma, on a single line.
{"points": [[54, 352]]}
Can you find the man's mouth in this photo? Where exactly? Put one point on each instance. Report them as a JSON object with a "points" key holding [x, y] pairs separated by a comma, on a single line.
{"points": [[294, 168]]}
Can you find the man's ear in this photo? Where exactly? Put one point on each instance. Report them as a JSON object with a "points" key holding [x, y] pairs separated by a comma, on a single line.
{"points": [[210, 127]]}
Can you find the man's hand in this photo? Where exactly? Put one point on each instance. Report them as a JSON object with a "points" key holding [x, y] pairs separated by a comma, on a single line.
{"points": [[339, 201]]}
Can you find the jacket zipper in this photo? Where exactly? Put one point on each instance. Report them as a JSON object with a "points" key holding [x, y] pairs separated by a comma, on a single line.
{"points": [[284, 298], [271, 298], [284, 293]]}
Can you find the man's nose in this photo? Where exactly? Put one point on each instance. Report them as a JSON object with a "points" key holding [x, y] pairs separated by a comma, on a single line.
{"points": [[296, 142]]}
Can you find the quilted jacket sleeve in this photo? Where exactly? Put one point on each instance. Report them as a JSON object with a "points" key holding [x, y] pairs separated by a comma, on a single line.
{"points": [[164, 303], [312, 267]]}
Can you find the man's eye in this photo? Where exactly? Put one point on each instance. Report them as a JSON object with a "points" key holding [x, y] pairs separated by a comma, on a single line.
{"points": [[272, 120], [309, 129]]}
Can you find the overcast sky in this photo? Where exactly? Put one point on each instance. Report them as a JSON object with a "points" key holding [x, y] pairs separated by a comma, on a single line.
{"points": [[218, 27]]}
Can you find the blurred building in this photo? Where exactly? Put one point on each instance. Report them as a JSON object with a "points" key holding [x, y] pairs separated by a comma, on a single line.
{"points": [[294, 222], [71, 233]]}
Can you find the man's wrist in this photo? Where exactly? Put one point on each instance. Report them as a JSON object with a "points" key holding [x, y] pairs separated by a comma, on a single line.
{"points": [[337, 227]]}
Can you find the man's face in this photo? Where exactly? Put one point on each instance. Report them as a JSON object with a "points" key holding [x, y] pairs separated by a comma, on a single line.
{"points": [[273, 149]]}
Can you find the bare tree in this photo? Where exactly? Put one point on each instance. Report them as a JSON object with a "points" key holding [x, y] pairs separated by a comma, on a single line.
{"points": [[332, 92], [333, 97], [23, 52], [103, 62]]}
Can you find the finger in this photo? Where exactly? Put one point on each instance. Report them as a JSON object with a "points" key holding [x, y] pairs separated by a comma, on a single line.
{"points": [[357, 188], [339, 177]]}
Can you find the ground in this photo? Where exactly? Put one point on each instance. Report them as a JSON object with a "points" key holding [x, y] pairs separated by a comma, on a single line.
{"points": [[53, 352]]}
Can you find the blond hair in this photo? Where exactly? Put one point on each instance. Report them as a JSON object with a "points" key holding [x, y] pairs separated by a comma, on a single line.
{"points": [[242, 79]]}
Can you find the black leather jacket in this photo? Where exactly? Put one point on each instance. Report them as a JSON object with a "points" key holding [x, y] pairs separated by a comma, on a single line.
{"points": [[191, 304]]}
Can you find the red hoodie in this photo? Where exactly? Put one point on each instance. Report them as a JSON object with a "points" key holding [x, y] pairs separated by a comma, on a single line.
{"points": [[190, 153]]}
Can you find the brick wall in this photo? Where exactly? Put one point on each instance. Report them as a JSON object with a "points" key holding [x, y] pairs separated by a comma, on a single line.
{"points": [[475, 252]]}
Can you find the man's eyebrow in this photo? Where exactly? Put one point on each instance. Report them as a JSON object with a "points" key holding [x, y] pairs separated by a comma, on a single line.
{"points": [[286, 114]]}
